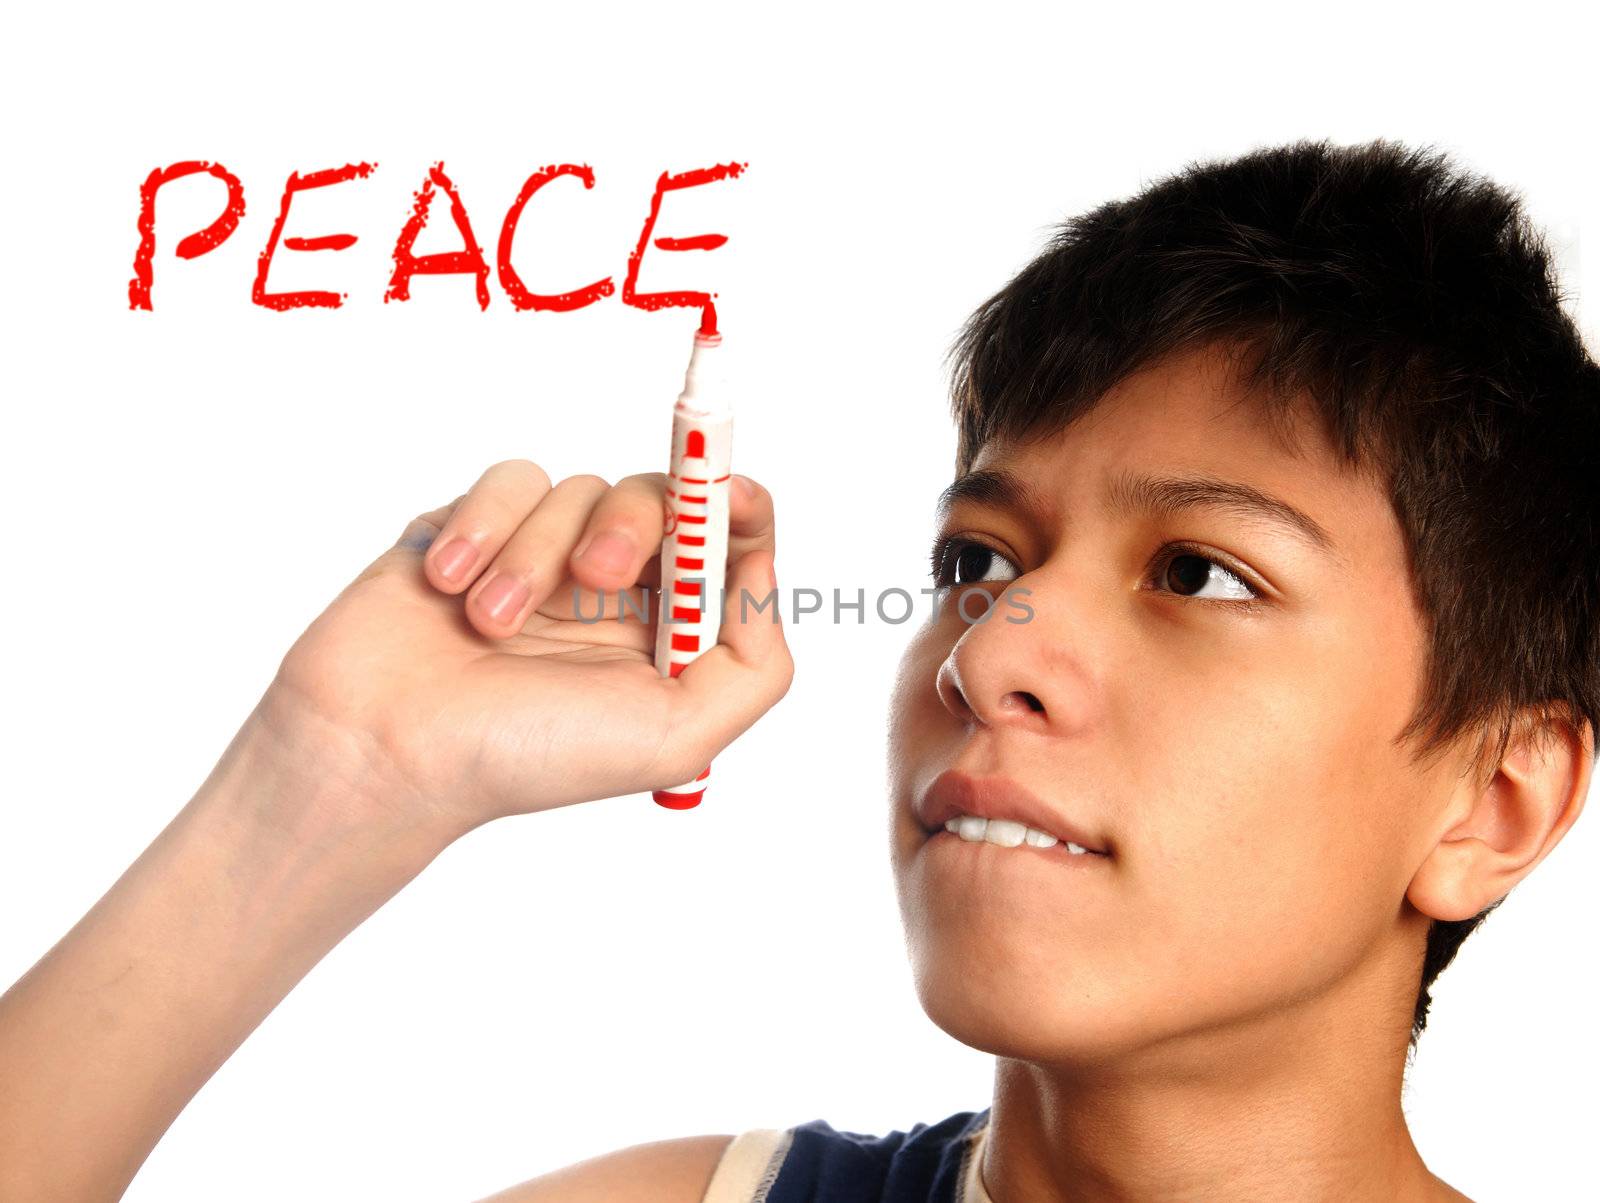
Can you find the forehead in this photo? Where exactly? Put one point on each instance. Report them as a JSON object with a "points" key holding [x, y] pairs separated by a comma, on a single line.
{"points": [[1185, 420]]}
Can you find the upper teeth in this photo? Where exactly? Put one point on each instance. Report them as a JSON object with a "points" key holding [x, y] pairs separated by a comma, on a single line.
{"points": [[1008, 833]]}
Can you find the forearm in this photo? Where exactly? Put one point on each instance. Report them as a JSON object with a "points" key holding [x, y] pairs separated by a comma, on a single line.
{"points": [[108, 1037]]}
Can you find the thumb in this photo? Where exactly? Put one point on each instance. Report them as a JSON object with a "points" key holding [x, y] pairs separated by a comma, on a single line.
{"points": [[724, 690], [752, 611]]}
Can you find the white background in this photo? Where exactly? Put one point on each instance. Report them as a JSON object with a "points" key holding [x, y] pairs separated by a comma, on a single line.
{"points": [[185, 490]]}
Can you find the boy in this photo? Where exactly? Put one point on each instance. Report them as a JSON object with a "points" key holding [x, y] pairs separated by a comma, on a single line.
{"points": [[1293, 455]]}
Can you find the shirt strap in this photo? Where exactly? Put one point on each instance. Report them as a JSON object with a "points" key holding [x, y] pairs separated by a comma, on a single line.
{"points": [[748, 1166]]}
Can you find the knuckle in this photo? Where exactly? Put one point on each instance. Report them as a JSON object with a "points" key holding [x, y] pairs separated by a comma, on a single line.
{"points": [[516, 464], [644, 481], [524, 470], [644, 499], [505, 496], [586, 481]]}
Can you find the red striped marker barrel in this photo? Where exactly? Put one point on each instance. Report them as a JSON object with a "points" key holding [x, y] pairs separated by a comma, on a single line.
{"points": [[694, 548]]}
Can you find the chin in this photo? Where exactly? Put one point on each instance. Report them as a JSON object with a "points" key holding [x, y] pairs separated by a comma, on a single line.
{"points": [[1013, 997]]}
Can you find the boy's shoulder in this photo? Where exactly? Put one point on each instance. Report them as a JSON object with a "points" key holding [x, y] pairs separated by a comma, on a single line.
{"points": [[678, 1170]]}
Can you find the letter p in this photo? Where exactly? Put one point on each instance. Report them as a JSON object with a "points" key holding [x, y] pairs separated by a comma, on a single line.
{"points": [[195, 244]]}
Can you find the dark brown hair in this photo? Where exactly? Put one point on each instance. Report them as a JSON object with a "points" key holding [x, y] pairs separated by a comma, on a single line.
{"points": [[1414, 306]]}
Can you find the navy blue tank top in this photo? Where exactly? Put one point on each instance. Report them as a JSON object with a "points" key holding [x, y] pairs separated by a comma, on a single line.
{"points": [[814, 1162]]}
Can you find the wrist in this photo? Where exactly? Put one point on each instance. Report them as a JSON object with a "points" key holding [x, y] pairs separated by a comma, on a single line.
{"points": [[298, 792], [347, 775]]}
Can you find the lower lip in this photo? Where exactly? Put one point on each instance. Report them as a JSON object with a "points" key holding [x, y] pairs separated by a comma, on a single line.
{"points": [[1055, 855]]}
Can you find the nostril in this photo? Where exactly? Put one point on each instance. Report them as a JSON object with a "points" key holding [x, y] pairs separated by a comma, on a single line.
{"points": [[948, 687], [1026, 698]]}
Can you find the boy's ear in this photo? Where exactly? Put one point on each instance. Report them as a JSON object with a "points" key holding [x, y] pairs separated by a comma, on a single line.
{"points": [[1497, 832]]}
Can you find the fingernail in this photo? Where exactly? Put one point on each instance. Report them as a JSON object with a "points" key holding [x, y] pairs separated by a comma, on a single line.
{"points": [[455, 558], [609, 551], [503, 596], [746, 486]]}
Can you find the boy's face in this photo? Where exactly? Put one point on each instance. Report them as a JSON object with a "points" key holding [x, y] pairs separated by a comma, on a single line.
{"points": [[1240, 765]]}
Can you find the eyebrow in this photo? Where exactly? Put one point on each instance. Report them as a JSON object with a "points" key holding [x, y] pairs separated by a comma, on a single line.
{"points": [[1132, 493]]}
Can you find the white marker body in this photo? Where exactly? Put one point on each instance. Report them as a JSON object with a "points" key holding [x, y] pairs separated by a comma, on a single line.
{"points": [[694, 549]]}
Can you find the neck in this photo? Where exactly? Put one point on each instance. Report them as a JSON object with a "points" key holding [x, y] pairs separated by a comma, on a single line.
{"points": [[1302, 1103]]}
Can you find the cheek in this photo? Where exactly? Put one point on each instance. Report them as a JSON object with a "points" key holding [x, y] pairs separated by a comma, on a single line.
{"points": [[1235, 809], [1266, 788], [914, 705]]}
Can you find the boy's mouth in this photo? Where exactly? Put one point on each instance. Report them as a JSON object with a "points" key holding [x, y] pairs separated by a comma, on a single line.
{"points": [[1000, 811]]}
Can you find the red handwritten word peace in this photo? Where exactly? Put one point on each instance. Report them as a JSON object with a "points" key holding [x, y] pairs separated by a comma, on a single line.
{"points": [[468, 260]]}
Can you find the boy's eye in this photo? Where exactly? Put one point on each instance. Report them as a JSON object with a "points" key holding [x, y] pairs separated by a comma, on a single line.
{"points": [[959, 561], [1189, 571]]}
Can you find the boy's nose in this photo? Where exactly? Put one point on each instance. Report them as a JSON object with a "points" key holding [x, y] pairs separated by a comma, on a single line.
{"points": [[972, 698]]}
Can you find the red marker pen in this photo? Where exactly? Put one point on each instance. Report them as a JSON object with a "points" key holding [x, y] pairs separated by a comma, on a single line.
{"points": [[694, 550]]}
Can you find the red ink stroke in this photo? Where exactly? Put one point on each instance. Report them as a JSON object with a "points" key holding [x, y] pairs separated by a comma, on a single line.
{"points": [[445, 263], [195, 244], [332, 242], [326, 242], [699, 242], [685, 298], [521, 298]]}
